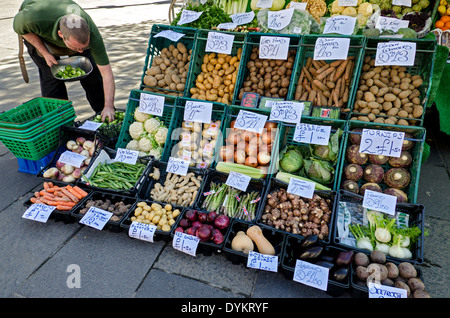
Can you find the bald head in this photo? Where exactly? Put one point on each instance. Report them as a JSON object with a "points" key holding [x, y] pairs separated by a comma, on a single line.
{"points": [[74, 27]]}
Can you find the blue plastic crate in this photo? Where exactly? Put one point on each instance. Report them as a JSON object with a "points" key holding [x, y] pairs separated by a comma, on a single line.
{"points": [[34, 166]]}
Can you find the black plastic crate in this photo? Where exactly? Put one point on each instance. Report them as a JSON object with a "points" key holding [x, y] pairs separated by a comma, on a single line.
{"points": [[159, 233], [274, 185], [150, 182], [205, 247], [218, 177], [292, 250], [236, 257], [415, 213], [111, 225]]}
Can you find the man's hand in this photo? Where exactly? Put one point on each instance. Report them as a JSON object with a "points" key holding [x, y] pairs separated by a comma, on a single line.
{"points": [[50, 59], [108, 112]]}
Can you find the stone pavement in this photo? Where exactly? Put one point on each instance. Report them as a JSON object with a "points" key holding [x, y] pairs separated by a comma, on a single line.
{"points": [[35, 258]]}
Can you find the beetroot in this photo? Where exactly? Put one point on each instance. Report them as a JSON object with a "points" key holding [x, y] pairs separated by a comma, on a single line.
{"points": [[222, 221]]}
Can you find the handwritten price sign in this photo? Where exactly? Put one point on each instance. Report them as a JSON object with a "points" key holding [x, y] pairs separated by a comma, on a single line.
{"points": [[188, 16], [395, 53], [378, 201], [393, 24], [126, 156], [250, 121], [96, 218], [90, 125], [331, 48], [382, 142], [198, 112], [219, 42], [311, 275], [171, 35], [301, 188], [312, 134], [286, 111], [177, 166], [273, 47], [72, 158], [142, 231], [278, 20], [242, 18], [38, 212], [262, 261], [151, 104], [238, 180], [340, 24], [185, 243]]}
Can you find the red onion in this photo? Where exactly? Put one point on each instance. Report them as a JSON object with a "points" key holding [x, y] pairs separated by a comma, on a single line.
{"points": [[222, 221]]}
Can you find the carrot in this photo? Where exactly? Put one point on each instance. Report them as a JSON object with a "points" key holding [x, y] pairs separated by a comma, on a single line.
{"points": [[80, 191], [325, 73], [75, 193], [35, 200], [340, 70], [37, 194], [347, 70], [46, 186], [63, 208], [70, 195], [48, 202], [323, 68], [308, 74], [62, 203], [320, 85], [336, 63], [63, 198]]}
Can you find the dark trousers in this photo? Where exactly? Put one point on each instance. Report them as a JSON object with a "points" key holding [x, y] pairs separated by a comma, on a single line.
{"points": [[54, 88]]}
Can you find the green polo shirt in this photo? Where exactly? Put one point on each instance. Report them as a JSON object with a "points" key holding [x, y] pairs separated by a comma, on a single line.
{"points": [[42, 18]]}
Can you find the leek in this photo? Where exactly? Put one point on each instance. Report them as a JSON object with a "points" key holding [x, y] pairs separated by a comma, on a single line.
{"points": [[286, 177], [226, 167]]}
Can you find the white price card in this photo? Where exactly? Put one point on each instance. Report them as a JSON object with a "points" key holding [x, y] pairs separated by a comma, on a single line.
{"points": [[264, 4], [310, 274], [298, 5], [383, 291], [199, 112], [302, 188], [38, 212], [72, 158], [379, 201], [395, 53], [126, 156], [219, 42], [348, 3], [90, 125], [185, 243], [151, 104], [250, 121], [177, 166], [243, 18], [171, 35], [238, 180], [312, 134], [278, 20], [227, 26], [286, 111], [381, 142], [188, 16], [403, 3], [142, 231], [340, 24], [331, 48], [262, 261], [274, 47], [96, 218], [393, 24]]}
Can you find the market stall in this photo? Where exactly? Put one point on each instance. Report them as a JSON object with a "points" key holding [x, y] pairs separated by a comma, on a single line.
{"points": [[286, 135]]}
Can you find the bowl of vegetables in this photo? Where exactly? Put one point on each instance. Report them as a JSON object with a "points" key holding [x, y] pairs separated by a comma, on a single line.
{"points": [[73, 68]]}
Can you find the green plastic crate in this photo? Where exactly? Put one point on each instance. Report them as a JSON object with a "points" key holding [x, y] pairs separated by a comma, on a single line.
{"points": [[252, 40], [423, 66], [219, 112], [418, 134], [287, 135], [34, 130], [199, 53], [33, 112], [167, 117], [157, 44], [38, 146], [307, 45]]}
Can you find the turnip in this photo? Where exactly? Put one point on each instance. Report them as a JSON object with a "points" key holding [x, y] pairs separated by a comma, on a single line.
{"points": [[80, 140], [51, 173], [67, 169], [71, 144], [85, 153], [88, 145]]}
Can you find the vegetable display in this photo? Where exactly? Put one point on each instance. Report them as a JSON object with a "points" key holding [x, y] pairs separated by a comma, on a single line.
{"points": [[117, 207], [362, 11], [63, 198], [253, 239], [70, 72], [163, 217], [119, 116], [212, 15]]}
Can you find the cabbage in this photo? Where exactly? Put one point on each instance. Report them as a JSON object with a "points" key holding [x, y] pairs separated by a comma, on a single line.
{"points": [[319, 171], [291, 160], [302, 22], [328, 152]]}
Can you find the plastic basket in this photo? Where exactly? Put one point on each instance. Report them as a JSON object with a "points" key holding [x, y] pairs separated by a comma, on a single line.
{"points": [[150, 182], [111, 225], [219, 113], [306, 52], [33, 112], [157, 44], [423, 66], [168, 116], [287, 135], [349, 205], [275, 185], [38, 146], [232, 114], [255, 185], [240, 258], [418, 137], [252, 41], [197, 62], [292, 249], [34, 166]]}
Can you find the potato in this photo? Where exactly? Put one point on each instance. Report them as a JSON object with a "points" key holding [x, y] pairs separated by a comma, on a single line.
{"points": [[362, 273], [369, 96], [421, 293], [403, 285], [415, 283], [378, 257], [393, 271], [361, 259], [417, 111], [407, 270], [390, 97]]}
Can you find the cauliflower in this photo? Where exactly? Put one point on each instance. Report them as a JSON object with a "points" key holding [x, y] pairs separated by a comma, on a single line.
{"points": [[336, 8], [155, 152], [136, 129], [152, 124], [161, 135], [145, 144], [132, 145], [366, 9], [350, 11], [140, 116], [142, 154], [362, 20]]}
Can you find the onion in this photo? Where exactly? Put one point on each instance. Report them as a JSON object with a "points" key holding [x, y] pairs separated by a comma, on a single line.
{"points": [[246, 135], [232, 123], [222, 221], [241, 145], [233, 138], [251, 161], [226, 153], [270, 125], [263, 158], [191, 215], [265, 148], [239, 156], [204, 233], [267, 137], [251, 149]]}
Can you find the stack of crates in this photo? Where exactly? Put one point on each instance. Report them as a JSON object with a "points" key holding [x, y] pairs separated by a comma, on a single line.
{"points": [[31, 131]]}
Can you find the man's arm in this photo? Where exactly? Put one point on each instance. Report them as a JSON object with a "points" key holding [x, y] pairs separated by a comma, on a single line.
{"points": [[36, 41], [109, 89]]}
